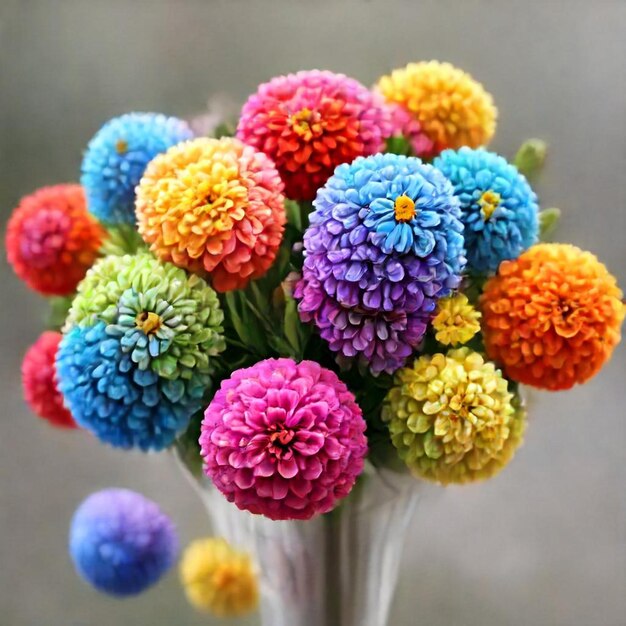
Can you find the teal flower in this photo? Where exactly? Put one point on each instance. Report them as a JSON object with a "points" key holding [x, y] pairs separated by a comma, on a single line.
{"points": [[137, 357]]}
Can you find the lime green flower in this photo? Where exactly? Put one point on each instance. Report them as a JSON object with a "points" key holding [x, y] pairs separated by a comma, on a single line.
{"points": [[165, 319], [451, 417], [456, 321]]}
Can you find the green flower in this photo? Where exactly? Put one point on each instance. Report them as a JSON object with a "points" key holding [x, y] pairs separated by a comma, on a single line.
{"points": [[165, 319]]}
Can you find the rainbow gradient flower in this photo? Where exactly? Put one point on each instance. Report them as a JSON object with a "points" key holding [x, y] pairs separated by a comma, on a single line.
{"points": [[309, 123], [136, 359], [498, 207], [121, 542], [213, 206], [552, 317], [219, 579], [39, 381], [116, 158], [283, 439], [453, 110], [384, 243], [51, 240], [456, 321], [450, 417]]}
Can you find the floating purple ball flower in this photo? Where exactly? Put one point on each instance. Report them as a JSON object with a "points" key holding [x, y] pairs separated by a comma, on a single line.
{"points": [[121, 542], [283, 439], [384, 244]]}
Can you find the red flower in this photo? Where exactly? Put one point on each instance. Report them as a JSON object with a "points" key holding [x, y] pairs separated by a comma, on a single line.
{"points": [[39, 381], [52, 240]]}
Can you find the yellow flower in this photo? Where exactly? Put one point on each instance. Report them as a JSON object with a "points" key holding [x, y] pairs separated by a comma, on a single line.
{"points": [[452, 418], [452, 109], [219, 579], [456, 320]]}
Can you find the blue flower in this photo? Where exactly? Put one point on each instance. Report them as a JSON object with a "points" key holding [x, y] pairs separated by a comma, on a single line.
{"points": [[121, 542], [117, 156], [124, 404], [499, 209], [384, 243]]}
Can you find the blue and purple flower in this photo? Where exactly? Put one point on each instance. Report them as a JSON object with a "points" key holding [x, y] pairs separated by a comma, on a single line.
{"points": [[385, 242]]}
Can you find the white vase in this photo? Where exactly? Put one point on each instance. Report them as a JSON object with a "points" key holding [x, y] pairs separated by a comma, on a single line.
{"points": [[339, 569]]}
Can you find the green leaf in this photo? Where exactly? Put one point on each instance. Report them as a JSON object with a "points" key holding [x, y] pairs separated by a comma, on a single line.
{"points": [[398, 145], [294, 216], [530, 157], [548, 221], [292, 324], [122, 239], [59, 307], [225, 129]]}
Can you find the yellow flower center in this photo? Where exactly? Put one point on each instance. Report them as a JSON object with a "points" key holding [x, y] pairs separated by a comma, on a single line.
{"points": [[404, 209], [148, 321], [489, 202], [121, 146], [306, 123]]}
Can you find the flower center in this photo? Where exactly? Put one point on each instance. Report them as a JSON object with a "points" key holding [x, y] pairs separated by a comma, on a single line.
{"points": [[404, 209], [148, 321], [489, 202], [224, 577], [306, 123], [280, 440], [121, 146]]}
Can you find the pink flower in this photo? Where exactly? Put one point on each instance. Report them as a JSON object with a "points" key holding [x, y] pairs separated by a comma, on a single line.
{"points": [[309, 123], [403, 124], [284, 440]]}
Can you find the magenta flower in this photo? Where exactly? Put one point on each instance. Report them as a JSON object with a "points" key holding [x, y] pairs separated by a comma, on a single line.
{"points": [[284, 440]]}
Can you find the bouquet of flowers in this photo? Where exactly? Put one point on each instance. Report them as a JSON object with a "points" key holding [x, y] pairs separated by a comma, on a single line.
{"points": [[315, 310]]}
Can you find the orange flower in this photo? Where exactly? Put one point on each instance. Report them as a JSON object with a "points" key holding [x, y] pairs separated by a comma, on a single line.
{"points": [[213, 206], [552, 317]]}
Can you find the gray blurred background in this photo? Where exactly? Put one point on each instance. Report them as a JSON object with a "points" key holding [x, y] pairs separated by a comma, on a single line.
{"points": [[545, 543]]}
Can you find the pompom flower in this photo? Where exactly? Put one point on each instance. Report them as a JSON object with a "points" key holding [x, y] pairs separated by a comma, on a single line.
{"points": [[452, 109], [403, 124], [39, 381], [52, 240], [456, 320], [219, 579], [552, 317], [384, 243], [136, 360], [310, 122], [450, 416], [121, 542], [213, 206], [284, 440], [498, 207], [116, 158]]}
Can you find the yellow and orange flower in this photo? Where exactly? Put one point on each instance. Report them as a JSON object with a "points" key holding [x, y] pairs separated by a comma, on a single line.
{"points": [[213, 206], [219, 579], [453, 110], [552, 317]]}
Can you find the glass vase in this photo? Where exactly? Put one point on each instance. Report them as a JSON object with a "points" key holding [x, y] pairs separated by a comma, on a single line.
{"points": [[339, 569]]}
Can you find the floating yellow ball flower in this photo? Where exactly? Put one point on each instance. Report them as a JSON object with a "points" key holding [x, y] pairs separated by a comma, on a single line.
{"points": [[452, 418], [456, 321], [452, 109], [219, 579]]}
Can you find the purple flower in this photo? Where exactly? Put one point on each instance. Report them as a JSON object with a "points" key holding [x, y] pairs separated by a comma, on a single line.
{"points": [[384, 244], [284, 440]]}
